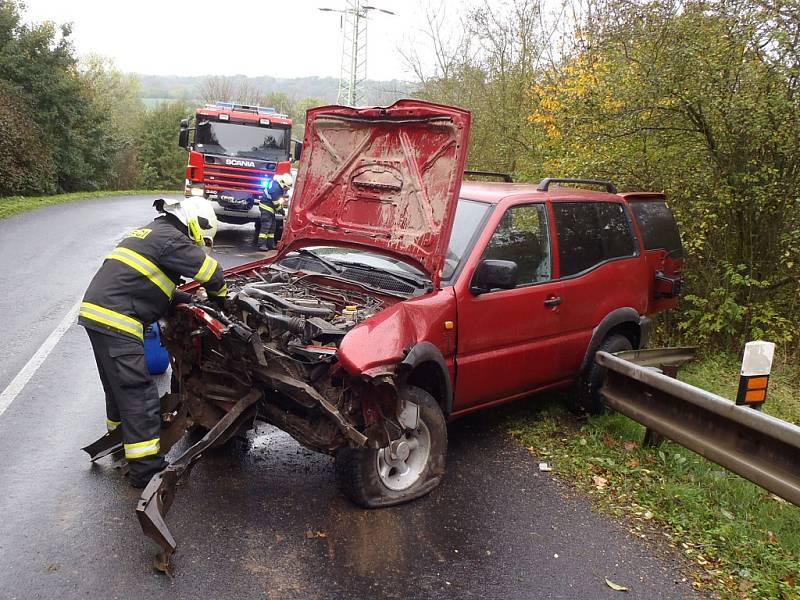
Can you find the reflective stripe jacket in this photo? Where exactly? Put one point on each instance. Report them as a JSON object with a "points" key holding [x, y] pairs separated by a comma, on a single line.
{"points": [[273, 190], [135, 284], [272, 193]]}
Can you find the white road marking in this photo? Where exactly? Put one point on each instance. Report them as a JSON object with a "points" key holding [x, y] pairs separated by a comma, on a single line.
{"points": [[25, 374]]}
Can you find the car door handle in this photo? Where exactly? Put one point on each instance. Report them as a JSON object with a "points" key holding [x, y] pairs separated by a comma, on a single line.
{"points": [[554, 301]]}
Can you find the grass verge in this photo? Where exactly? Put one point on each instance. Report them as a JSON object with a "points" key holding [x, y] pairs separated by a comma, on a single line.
{"points": [[742, 541], [13, 205]]}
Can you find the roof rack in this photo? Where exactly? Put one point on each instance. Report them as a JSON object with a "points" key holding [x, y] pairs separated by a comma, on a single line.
{"points": [[504, 176], [544, 184]]}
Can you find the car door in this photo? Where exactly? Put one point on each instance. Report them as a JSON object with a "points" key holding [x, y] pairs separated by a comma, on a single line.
{"points": [[508, 338], [600, 268]]}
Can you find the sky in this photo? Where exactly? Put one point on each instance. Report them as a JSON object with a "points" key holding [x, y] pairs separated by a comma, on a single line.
{"points": [[205, 37]]}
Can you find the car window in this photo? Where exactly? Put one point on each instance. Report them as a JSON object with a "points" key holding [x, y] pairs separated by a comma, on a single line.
{"points": [[590, 233], [658, 227], [522, 236], [469, 216]]}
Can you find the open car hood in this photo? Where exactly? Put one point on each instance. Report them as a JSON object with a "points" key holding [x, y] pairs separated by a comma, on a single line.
{"points": [[384, 178]]}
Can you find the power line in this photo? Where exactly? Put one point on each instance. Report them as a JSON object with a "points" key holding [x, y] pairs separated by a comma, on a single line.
{"points": [[353, 69]]}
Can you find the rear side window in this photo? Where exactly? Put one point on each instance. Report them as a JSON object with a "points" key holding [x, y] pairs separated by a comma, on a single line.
{"points": [[590, 233], [658, 227]]}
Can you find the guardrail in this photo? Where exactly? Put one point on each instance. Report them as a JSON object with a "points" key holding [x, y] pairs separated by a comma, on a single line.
{"points": [[757, 446]]}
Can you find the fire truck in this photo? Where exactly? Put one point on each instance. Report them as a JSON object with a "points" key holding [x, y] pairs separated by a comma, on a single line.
{"points": [[233, 150]]}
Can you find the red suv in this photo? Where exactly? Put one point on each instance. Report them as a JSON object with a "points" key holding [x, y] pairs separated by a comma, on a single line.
{"points": [[401, 298]]}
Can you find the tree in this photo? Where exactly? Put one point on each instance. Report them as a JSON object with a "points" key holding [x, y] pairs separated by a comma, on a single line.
{"points": [[113, 97], [161, 162], [490, 69], [698, 99], [37, 62], [25, 154], [72, 109], [237, 89]]}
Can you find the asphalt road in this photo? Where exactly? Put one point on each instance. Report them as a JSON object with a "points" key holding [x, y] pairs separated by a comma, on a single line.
{"points": [[265, 521]]}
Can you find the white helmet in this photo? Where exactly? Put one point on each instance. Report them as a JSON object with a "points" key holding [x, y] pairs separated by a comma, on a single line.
{"points": [[284, 180], [196, 213]]}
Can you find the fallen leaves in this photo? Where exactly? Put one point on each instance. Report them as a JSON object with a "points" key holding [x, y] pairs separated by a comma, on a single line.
{"points": [[316, 534], [599, 482], [616, 587]]}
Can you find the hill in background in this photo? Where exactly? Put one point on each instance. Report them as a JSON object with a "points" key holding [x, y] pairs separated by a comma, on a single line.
{"points": [[156, 88]]}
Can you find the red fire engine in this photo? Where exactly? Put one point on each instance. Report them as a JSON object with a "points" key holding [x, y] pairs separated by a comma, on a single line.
{"points": [[236, 147]]}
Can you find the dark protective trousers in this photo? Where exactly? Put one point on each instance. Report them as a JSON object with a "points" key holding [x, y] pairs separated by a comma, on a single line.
{"points": [[266, 225], [132, 401]]}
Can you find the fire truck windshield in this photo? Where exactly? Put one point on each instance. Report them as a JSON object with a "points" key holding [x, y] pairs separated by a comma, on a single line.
{"points": [[246, 141]]}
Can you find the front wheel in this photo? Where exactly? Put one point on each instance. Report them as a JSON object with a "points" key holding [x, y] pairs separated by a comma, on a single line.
{"points": [[408, 468]]}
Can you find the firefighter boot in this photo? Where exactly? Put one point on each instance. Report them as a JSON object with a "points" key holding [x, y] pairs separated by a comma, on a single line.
{"points": [[266, 241], [141, 471]]}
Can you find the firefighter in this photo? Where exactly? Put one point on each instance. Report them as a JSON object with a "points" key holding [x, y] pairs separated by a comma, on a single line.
{"points": [[275, 188], [133, 288]]}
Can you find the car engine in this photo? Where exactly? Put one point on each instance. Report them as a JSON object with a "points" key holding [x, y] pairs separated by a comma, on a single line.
{"points": [[278, 332]]}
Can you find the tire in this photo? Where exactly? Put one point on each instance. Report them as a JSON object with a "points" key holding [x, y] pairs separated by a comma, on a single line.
{"points": [[589, 398], [368, 477]]}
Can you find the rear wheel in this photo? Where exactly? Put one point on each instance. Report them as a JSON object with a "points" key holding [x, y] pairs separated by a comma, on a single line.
{"points": [[408, 468], [589, 398]]}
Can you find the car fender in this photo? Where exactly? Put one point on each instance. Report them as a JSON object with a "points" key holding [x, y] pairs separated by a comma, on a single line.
{"points": [[425, 352], [388, 337], [616, 317]]}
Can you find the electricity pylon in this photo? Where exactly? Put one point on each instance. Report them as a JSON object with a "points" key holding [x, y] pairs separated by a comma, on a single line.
{"points": [[353, 70]]}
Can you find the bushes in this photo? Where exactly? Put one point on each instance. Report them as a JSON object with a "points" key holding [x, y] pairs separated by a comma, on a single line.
{"points": [[25, 154], [698, 100], [161, 163], [64, 124]]}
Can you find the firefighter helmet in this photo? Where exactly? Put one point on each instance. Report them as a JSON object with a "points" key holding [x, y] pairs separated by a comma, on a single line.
{"points": [[284, 180], [194, 212]]}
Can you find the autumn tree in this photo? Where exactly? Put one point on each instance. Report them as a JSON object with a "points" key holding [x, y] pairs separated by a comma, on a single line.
{"points": [[697, 99]]}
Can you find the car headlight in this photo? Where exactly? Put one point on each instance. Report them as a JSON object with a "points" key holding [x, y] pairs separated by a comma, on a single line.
{"points": [[196, 191]]}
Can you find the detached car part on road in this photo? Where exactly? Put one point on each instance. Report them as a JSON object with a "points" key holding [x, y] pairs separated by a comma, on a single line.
{"points": [[374, 324]]}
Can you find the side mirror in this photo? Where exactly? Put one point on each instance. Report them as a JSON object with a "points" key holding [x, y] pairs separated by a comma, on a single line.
{"points": [[494, 274], [298, 150], [183, 136]]}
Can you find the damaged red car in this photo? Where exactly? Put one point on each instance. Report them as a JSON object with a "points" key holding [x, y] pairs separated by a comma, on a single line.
{"points": [[400, 298]]}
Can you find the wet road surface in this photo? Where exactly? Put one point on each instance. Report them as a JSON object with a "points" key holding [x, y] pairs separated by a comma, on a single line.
{"points": [[264, 520]]}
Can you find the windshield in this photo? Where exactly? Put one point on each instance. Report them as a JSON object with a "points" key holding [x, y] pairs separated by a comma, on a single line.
{"points": [[373, 259], [466, 227], [244, 141]]}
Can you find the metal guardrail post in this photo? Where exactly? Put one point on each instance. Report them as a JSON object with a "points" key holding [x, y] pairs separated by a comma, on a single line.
{"points": [[664, 360], [761, 448]]}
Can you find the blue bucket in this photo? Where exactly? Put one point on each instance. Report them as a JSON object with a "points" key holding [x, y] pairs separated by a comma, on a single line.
{"points": [[155, 353]]}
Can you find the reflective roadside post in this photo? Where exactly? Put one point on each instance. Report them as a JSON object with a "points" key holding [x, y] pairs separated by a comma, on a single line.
{"points": [[754, 379]]}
